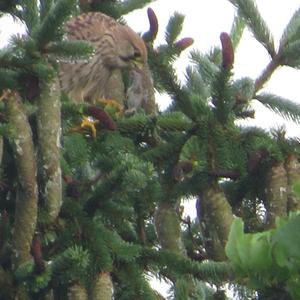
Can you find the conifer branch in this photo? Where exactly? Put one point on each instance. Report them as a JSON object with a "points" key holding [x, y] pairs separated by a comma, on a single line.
{"points": [[49, 130], [174, 27], [29, 13], [174, 121], [276, 193], [167, 223], [182, 99], [8, 79], [69, 50], [205, 66], [77, 292], [291, 32], [289, 54], [249, 11], [286, 108], [103, 287], [266, 74], [45, 7], [237, 30], [50, 28], [9, 60], [209, 271], [215, 212], [292, 167], [26, 204], [128, 6]]}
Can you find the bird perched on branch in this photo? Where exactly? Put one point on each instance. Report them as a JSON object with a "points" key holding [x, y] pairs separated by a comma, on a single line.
{"points": [[116, 47]]}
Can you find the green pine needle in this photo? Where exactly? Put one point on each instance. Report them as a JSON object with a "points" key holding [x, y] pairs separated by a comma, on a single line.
{"points": [[128, 6], [8, 79], [290, 54], [284, 107], [174, 27], [29, 13], [249, 11], [75, 146], [45, 7], [50, 28], [12, 59], [237, 30], [208, 270], [205, 67], [71, 49], [174, 121], [292, 30], [195, 83]]}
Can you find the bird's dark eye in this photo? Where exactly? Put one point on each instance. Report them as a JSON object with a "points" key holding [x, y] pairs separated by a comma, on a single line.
{"points": [[135, 56], [126, 58]]}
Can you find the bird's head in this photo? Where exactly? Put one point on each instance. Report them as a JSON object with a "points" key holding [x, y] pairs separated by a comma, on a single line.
{"points": [[131, 50]]}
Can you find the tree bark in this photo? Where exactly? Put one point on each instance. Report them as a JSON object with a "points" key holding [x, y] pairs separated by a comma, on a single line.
{"points": [[215, 216], [27, 198], [77, 292], [167, 223], [103, 288], [292, 168], [276, 194], [1, 149], [27, 194], [49, 131]]}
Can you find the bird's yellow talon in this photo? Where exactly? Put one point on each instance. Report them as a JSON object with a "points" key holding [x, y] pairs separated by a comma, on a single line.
{"points": [[89, 123], [111, 103]]}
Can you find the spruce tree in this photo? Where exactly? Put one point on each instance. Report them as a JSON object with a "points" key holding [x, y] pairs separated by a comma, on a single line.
{"points": [[90, 209]]}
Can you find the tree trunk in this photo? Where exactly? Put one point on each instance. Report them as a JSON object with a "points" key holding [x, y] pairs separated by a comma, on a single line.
{"points": [[215, 216], [276, 194], [103, 288], [49, 131], [292, 167], [77, 292], [27, 199]]}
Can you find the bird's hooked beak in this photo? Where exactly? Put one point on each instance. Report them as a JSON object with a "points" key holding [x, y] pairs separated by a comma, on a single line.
{"points": [[138, 63]]}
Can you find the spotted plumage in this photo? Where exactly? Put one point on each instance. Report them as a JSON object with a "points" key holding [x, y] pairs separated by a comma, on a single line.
{"points": [[116, 46]]}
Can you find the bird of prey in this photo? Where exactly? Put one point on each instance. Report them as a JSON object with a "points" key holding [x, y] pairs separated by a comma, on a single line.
{"points": [[116, 47]]}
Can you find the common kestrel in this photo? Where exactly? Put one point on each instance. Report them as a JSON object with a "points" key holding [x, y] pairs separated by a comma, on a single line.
{"points": [[116, 46]]}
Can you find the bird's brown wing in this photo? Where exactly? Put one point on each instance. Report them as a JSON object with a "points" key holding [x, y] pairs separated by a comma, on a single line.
{"points": [[90, 26], [76, 76]]}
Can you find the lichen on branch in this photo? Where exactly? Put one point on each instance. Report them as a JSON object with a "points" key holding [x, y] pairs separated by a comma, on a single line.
{"points": [[25, 160], [49, 132]]}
